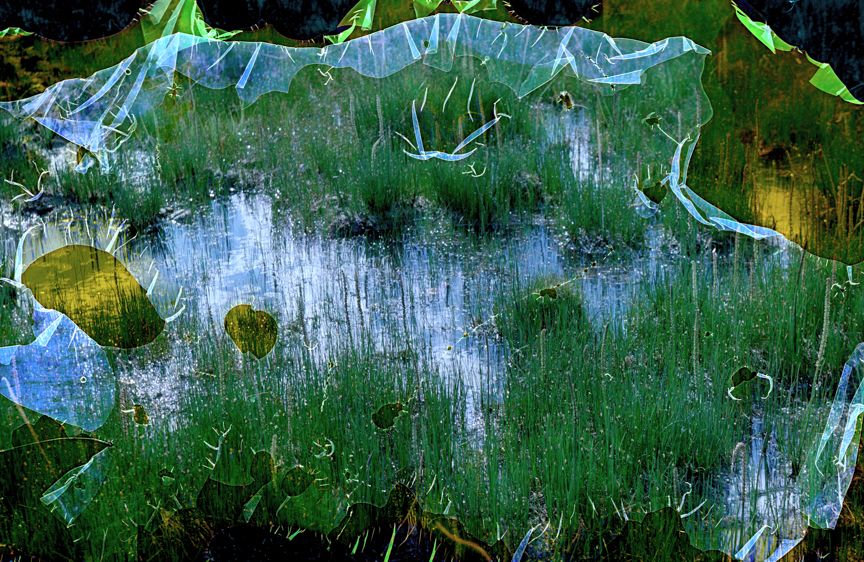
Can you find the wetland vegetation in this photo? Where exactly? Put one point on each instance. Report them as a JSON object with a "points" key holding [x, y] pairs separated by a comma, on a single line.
{"points": [[503, 360]]}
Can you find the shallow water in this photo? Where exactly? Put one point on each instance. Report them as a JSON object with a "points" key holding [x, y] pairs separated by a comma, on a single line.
{"points": [[430, 293], [419, 294]]}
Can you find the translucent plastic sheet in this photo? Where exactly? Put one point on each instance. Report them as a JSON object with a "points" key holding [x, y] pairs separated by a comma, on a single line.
{"points": [[100, 113], [75, 490], [656, 101], [837, 450], [63, 373]]}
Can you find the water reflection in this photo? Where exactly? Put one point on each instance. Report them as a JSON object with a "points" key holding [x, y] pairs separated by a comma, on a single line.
{"points": [[417, 296]]}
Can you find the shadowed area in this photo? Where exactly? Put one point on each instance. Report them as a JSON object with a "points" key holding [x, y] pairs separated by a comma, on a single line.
{"points": [[554, 12], [297, 19], [70, 20]]}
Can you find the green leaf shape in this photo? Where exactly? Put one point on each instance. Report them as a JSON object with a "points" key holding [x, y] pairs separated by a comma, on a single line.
{"points": [[742, 375], [316, 509], [139, 415], [14, 32], [549, 293], [232, 463], [655, 191], [652, 119], [401, 504], [740, 384], [423, 8], [762, 32], [361, 15], [253, 331], [296, 480], [385, 416], [825, 78], [43, 429], [474, 6], [96, 291], [39, 464], [178, 16], [232, 501]]}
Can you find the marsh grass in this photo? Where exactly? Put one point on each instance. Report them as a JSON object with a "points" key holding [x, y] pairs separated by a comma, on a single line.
{"points": [[555, 445], [584, 402], [591, 417], [575, 390], [295, 411], [13, 325], [334, 152], [752, 92], [601, 217], [16, 142]]}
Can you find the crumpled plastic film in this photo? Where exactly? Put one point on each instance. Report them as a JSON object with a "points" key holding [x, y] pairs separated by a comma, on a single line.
{"points": [[70, 496], [832, 462], [699, 208], [99, 113], [62, 374]]}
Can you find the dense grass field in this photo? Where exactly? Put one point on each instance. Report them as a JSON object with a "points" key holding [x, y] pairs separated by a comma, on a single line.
{"points": [[557, 433], [750, 88], [547, 443]]}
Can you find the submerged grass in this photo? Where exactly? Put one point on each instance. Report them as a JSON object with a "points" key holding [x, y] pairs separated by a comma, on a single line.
{"points": [[556, 445], [13, 328], [576, 392], [591, 419]]}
